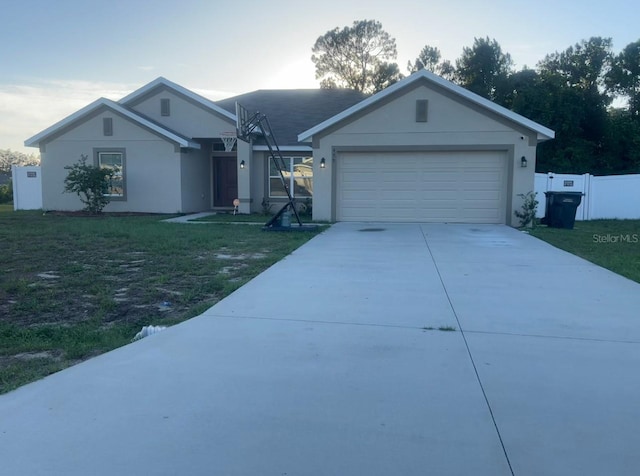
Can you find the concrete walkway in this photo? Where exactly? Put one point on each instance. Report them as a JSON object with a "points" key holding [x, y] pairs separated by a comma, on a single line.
{"points": [[189, 218], [331, 363]]}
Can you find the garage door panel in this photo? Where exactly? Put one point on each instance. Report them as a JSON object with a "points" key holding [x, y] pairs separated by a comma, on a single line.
{"points": [[447, 186], [481, 186], [446, 196], [479, 195], [397, 195]]}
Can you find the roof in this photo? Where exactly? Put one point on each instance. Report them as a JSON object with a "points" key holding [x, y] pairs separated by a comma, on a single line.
{"points": [[293, 110], [160, 82], [77, 116], [423, 75]]}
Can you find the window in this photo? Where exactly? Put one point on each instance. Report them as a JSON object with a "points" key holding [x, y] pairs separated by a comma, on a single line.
{"points": [[114, 160], [165, 109], [107, 126], [297, 171]]}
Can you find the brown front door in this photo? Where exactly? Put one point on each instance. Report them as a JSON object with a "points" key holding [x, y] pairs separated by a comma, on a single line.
{"points": [[225, 181]]}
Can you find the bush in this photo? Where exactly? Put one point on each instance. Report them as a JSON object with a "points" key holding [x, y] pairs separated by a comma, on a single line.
{"points": [[90, 183], [529, 207], [6, 192]]}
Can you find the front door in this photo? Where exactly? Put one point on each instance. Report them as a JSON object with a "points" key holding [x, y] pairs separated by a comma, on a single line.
{"points": [[225, 181]]}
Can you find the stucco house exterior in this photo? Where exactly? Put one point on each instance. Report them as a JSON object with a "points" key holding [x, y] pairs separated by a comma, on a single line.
{"points": [[422, 150]]}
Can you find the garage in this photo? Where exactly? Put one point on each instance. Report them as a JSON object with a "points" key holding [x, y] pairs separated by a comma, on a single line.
{"points": [[467, 186], [424, 150]]}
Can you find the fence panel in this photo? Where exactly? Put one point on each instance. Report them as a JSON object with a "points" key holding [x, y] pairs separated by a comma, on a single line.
{"points": [[615, 196], [27, 187], [611, 196]]}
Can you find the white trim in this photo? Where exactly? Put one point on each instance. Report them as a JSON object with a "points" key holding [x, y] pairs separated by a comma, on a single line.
{"points": [[79, 115], [285, 148], [544, 133], [181, 90]]}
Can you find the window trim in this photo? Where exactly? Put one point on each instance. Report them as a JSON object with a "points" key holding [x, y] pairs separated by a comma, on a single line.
{"points": [[114, 150], [291, 160]]}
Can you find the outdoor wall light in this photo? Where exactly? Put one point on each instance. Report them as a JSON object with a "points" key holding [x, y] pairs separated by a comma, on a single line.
{"points": [[523, 161], [242, 164], [323, 163]]}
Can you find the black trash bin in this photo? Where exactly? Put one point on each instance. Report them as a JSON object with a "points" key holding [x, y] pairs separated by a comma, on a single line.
{"points": [[560, 210]]}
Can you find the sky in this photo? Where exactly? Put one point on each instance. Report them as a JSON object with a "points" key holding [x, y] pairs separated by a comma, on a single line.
{"points": [[57, 56]]}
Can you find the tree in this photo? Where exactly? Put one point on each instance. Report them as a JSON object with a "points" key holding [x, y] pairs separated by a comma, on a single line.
{"points": [[624, 77], [430, 59], [621, 144], [9, 157], [483, 67], [385, 75], [90, 183], [574, 81], [353, 57], [583, 66]]}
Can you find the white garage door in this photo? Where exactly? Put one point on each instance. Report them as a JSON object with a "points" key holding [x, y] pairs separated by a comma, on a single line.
{"points": [[455, 187]]}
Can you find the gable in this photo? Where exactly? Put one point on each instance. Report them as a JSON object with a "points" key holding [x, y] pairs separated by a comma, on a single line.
{"points": [[78, 119], [444, 114], [186, 115], [91, 128], [431, 84]]}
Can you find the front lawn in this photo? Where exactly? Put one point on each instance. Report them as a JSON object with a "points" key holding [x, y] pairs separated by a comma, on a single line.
{"points": [[612, 244], [73, 287]]}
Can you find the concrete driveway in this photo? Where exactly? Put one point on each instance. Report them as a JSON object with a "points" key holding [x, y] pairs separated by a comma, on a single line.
{"points": [[332, 363]]}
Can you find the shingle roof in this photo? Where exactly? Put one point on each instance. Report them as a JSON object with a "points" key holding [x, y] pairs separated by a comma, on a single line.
{"points": [[291, 111]]}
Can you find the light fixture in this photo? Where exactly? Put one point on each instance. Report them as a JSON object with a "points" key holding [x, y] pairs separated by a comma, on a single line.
{"points": [[523, 161], [323, 163], [242, 164]]}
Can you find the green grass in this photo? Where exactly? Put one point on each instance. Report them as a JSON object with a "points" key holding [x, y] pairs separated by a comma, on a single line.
{"points": [[612, 244], [73, 287]]}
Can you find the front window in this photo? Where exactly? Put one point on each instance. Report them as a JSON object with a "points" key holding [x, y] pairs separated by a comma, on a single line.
{"points": [[297, 172], [113, 160]]}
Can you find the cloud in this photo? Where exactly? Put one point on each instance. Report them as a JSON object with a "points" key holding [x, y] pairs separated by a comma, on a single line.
{"points": [[30, 107]]}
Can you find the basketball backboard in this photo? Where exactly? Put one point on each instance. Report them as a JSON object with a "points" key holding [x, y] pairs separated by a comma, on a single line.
{"points": [[244, 123]]}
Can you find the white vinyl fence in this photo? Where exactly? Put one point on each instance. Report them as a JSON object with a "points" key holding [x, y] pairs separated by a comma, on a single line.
{"points": [[610, 196], [27, 187]]}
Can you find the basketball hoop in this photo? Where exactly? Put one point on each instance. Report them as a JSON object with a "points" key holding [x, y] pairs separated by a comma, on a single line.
{"points": [[229, 140]]}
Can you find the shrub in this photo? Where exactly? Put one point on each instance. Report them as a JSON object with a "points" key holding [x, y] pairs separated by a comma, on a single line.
{"points": [[90, 183], [529, 207], [6, 192]]}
